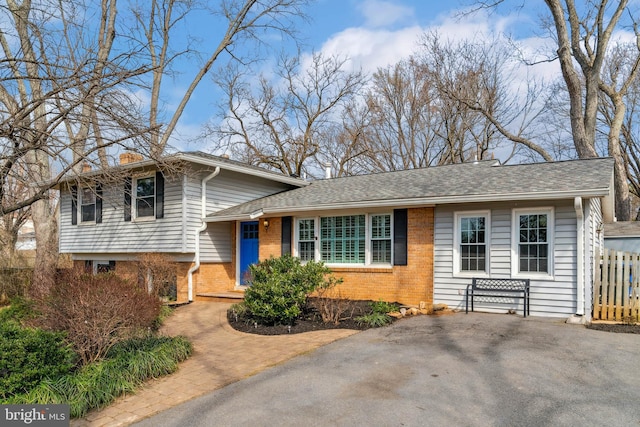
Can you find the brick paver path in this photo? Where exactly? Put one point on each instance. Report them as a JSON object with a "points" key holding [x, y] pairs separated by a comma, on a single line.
{"points": [[221, 356]]}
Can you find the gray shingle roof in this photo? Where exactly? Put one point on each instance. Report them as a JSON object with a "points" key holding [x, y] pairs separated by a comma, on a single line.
{"points": [[467, 182]]}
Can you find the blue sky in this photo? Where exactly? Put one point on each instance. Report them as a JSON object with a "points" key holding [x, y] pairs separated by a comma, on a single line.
{"points": [[372, 33], [378, 33]]}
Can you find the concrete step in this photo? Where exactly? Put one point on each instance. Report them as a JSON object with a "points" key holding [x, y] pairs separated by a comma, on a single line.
{"points": [[229, 297]]}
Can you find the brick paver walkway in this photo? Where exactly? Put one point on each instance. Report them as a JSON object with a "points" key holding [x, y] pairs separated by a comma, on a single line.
{"points": [[221, 356]]}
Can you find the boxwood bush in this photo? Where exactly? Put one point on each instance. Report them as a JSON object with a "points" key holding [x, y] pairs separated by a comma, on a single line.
{"points": [[278, 288]]}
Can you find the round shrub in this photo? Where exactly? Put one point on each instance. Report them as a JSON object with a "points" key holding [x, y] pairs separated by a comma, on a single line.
{"points": [[278, 288]]}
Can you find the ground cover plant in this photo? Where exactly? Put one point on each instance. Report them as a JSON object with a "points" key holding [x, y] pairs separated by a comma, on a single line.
{"points": [[91, 340]]}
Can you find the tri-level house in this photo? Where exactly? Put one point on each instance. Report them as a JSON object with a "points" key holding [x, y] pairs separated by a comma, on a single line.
{"points": [[109, 219], [413, 236]]}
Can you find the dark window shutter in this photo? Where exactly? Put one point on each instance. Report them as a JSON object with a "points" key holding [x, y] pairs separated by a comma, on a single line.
{"points": [[286, 235], [74, 205], [127, 199], [399, 237], [98, 203], [159, 195]]}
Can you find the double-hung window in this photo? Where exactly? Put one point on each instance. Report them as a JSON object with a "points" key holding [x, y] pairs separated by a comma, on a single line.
{"points": [[145, 197], [533, 242], [87, 205], [381, 239], [533, 231], [306, 239], [472, 242], [346, 239]]}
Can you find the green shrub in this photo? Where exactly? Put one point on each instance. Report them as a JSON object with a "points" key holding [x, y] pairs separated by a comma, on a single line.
{"points": [[374, 319], [28, 356], [383, 307], [21, 309], [126, 366], [279, 288]]}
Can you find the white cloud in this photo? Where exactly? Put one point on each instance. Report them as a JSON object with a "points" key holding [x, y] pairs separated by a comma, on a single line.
{"points": [[370, 49], [379, 13]]}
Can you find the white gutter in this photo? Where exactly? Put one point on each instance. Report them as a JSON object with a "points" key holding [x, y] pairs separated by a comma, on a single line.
{"points": [[203, 227], [580, 286]]}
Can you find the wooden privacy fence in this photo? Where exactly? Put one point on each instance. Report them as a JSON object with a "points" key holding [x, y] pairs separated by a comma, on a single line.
{"points": [[616, 291]]}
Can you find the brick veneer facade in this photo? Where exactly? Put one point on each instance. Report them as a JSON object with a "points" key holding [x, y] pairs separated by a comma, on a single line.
{"points": [[410, 284]]}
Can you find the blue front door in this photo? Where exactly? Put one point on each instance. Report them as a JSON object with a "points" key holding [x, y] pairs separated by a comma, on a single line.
{"points": [[248, 248]]}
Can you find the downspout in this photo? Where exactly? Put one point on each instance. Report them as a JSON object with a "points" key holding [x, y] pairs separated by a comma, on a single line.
{"points": [[577, 205], [200, 229]]}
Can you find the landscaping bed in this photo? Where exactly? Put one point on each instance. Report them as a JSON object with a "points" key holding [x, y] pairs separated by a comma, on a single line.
{"points": [[616, 327], [309, 320]]}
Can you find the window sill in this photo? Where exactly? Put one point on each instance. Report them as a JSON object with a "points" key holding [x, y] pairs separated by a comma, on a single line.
{"points": [[360, 269], [470, 274], [144, 219]]}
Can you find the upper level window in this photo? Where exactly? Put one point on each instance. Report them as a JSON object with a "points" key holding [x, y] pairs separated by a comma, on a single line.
{"points": [[533, 231], [87, 205], [145, 197], [472, 242]]}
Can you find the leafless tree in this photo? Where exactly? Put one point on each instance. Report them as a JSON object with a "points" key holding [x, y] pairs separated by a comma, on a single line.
{"points": [[583, 36], [248, 24], [68, 79], [282, 123]]}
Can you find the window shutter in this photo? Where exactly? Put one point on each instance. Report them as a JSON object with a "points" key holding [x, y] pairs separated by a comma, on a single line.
{"points": [[127, 199], [399, 237], [286, 235], [159, 195], [74, 205], [98, 204]]}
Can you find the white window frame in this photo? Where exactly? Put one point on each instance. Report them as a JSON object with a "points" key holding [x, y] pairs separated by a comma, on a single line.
{"points": [[457, 241], [515, 242], [81, 204], [367, 243], [369, 239], [297, 240], [134, 198]]}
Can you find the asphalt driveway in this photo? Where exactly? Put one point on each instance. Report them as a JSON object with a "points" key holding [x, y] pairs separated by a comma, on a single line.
{"points": [[464, 370]]}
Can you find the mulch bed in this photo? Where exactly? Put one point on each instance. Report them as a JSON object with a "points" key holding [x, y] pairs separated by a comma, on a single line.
{"points": [[615, 327], [310, 320]]}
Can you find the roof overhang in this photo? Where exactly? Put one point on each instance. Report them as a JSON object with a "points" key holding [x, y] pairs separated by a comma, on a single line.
{"points": [[415, 202], [192, 158]]}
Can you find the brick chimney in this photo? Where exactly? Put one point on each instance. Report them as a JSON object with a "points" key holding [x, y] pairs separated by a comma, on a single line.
{"points": [[130, 157]]}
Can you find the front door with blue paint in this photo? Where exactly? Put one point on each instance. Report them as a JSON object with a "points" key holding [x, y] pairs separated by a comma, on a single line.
{"points": [[248, 248]]}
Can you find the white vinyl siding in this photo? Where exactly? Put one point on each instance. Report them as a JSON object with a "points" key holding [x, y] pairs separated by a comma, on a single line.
{"points": [[550, 295], [116, 235], [175, 233]]}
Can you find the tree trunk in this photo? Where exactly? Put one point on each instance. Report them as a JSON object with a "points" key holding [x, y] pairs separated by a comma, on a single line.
{"points": [[46, 229]]}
